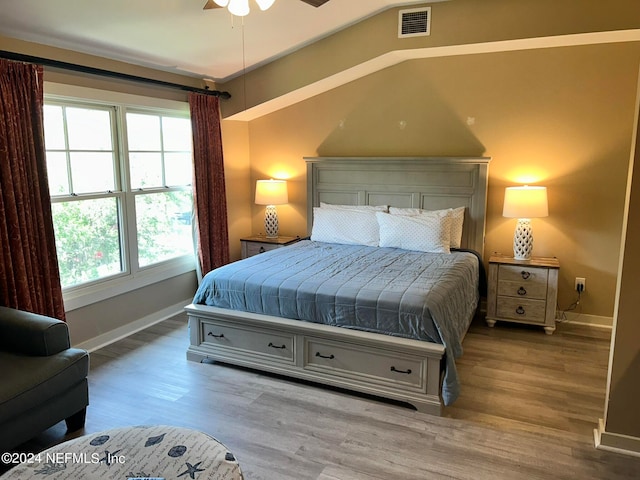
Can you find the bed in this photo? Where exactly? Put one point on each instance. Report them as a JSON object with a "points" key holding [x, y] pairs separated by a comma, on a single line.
{"points": [[376, 319]]}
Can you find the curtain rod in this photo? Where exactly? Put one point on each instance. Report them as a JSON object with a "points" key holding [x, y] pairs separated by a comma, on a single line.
{"points": [[107, 73]]}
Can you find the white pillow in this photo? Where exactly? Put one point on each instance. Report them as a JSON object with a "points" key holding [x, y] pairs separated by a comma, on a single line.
{"points": [[350, 227], [457, 223], [456, 215], [423, 233], [360, 208], [407, 212]]}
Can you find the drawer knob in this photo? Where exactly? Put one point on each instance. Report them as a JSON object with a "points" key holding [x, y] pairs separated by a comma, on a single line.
{"points": [[520, 310], [211, 334], [522, 291], [262, 250], [276, 346], [330, 357], [407, 371], [525, 274]]}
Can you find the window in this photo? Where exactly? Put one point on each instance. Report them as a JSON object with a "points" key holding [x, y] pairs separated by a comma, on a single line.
{"points": [[160, 158], [120, 183]]}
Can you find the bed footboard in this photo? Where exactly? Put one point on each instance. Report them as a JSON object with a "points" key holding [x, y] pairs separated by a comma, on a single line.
{"points": [[376, 364]]}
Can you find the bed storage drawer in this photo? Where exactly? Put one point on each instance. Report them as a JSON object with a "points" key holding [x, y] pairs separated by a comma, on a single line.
{"points": [[382, 365], [255, 341], [360, 362]]}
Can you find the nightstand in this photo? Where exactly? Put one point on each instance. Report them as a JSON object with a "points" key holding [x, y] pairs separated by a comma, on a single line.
{"points": [[259, 244], [523, 291]]}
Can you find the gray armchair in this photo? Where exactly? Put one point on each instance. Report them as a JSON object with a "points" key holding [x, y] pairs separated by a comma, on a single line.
{"points": [[42, 380]]}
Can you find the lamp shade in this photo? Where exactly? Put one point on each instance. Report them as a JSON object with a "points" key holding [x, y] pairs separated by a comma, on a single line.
{"points": [[525, 202], [265, 4], [271, 192]]}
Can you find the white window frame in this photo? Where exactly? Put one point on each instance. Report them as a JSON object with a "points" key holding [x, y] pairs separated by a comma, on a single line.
{"points": [[131, 278]]}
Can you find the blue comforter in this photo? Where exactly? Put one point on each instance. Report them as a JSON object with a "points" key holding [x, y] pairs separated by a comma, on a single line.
{"points": [[424, 296]]}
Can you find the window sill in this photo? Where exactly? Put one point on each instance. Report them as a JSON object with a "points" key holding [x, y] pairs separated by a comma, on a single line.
{"points": [[96, 292]]}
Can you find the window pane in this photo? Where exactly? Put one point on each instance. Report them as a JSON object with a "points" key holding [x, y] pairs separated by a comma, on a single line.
{"points": [[146, 170], [176, 133], [178, 168], [87, 240], [53, 128], [57, 173], [143, 132], [89, 129], [92, 172], [164, 226]]}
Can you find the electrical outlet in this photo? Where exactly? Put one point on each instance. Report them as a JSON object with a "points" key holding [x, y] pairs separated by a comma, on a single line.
{"points": [[581, 284]]}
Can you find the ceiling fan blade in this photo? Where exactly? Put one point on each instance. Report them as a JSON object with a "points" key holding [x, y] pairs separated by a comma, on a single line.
{"points": [[210, 4], [315, 3]]}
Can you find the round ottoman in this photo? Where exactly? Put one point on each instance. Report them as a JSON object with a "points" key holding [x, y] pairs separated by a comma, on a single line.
{"points": [[132, 452]]}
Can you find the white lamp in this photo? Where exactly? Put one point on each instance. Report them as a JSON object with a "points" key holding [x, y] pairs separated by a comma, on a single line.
{"points": [[524, 203], [271, 193], [265, 4]]}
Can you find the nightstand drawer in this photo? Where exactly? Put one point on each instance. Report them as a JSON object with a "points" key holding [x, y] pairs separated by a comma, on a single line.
{"points": [[255, 245], [518, 273], [254, 248], [521, 309], [522, 289]]}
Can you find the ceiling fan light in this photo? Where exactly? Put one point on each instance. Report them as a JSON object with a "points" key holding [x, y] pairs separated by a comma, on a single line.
{"points": [[265, 4], [239, 8], [222, 3]]}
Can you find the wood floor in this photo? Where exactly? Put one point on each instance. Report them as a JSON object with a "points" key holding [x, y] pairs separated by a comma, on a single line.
{"points": [[528, 408]]}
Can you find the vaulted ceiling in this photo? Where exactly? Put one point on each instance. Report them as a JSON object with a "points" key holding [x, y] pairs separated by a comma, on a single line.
{"points": [[178, 35]]}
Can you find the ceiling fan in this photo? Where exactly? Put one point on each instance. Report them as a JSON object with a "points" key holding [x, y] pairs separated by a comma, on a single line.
{"points": [[314, 3]]}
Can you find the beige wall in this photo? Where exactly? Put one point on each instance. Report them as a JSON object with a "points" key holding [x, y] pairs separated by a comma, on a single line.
{"points": [[235, 139], [622, 416], [98, 319], [559, 117], [458, 22], [103, 83]]}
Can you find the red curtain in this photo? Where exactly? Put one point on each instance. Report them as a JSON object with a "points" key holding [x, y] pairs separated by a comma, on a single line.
{"points": [[209, 186], [29, 276]]}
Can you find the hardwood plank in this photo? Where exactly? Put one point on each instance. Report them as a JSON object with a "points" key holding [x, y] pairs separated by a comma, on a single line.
{"points": [[334, 472]]}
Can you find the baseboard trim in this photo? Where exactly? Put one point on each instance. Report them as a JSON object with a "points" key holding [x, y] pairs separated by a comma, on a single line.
{"points": [[119, 333], [589, 320], [615, 442]]}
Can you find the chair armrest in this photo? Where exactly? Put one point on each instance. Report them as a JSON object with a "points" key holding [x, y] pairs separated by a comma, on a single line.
{"points": [[32, 334]]}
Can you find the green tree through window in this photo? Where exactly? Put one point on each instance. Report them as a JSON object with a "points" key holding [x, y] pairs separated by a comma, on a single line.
{"points": [[120, 186]]}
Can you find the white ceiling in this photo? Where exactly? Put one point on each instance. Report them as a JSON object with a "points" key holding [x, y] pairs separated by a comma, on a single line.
{"points": [[178, 35]]}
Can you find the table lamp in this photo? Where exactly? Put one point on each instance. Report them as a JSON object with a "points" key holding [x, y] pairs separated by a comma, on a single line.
{"points": [[271, 193], [524, 203]]}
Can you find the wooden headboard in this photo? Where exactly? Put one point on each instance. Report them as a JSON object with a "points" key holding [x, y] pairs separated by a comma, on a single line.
{"points": [[430, 183]]}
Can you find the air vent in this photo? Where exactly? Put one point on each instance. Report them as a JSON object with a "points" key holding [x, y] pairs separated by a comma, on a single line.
{"points": [[414, 22]]}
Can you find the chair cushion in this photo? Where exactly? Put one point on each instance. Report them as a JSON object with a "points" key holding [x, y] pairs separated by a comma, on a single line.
{"points": [[28, 381]]}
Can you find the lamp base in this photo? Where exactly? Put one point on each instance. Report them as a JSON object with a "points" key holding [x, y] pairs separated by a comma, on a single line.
{"points": [[523, 240], [271, 221]]}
